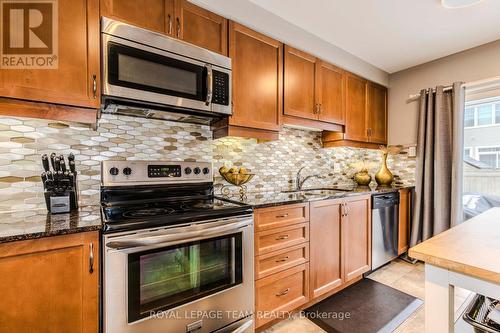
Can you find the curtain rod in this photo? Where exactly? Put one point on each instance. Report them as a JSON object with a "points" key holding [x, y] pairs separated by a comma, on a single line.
{"points": [[470, 84]]}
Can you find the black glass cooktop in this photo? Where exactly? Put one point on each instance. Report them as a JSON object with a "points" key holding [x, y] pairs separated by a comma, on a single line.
{"points": [[149, 211]]}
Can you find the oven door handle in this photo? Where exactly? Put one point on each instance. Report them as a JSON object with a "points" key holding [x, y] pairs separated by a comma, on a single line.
{"points": [[171, 239]]}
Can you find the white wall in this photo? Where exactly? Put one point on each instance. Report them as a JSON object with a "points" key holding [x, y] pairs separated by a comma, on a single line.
{"points": [[479, 63], [263, 21]]}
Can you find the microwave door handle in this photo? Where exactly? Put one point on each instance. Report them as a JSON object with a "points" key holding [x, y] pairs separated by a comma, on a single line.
{"points": [[210, 84], [168, 239]]}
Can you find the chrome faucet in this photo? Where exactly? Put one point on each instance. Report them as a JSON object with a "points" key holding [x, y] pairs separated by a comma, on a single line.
{"points": [[299, 182]]}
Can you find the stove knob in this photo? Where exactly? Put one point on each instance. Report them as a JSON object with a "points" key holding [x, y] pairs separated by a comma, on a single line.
{"points": [[206, 171], [114, 171], [187, 171], [127, 171], [197, 171]]}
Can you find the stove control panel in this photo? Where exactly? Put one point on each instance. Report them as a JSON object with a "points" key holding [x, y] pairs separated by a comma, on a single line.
{"points": [[116, 173]]}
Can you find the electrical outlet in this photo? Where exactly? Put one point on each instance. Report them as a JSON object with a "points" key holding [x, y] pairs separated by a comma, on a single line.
{"points": [[412, 151]]}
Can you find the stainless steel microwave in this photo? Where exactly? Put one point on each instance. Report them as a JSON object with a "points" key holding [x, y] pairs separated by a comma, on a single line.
{"points": [[154, 71]]}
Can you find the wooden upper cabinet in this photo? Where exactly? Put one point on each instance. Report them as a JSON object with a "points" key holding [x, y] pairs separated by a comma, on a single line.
{"points": [[377, 113], [257, 64], [324, 237], [76, 81], [300, 84], [48, 285], [198, 26], [330, 93], [355, 113], [356, 237], [148, 14]]}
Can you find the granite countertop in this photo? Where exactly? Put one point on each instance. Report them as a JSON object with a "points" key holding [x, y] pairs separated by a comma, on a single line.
{"points": [[30, 224], [270, 199]]}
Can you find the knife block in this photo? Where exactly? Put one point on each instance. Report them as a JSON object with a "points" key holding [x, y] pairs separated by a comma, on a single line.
{"points": [[61, 202]]}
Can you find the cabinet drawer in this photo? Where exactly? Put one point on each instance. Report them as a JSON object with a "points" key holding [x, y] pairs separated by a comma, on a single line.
{"points": [[280, 238], [280, 260], [281, 216], [279, 292]]}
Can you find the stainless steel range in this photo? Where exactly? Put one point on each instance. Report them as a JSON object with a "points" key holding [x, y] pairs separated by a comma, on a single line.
{"points": [[175, 258]]}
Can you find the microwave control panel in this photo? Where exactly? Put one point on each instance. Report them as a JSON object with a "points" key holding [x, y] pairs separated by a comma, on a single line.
{"points": [[220, 88]]}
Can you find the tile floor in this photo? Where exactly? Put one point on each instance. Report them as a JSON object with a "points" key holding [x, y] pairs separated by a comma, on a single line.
{"points": [[399, 275]]}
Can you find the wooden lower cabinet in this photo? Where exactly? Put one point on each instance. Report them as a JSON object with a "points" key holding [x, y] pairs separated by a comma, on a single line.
{"points": [[325, 248], [301, 258], [49, 286], [356, 237], [281, 292], [280, 260], [281, 238], [405, 211]]}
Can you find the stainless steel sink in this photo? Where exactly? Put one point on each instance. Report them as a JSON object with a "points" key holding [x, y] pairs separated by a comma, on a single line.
{"points": [[317, 191]]}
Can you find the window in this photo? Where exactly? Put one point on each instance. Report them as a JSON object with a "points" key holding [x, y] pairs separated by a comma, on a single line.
{"points": [[467, 152], [469, 117], [490, 156], [484, 115]]}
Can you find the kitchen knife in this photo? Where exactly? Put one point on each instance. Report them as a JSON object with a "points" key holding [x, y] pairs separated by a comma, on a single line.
{"points": [[72, 180], [72, 166], [57, 164], [62, 164], [44, 178], [71, 157], [45, 162], [52, 162]]}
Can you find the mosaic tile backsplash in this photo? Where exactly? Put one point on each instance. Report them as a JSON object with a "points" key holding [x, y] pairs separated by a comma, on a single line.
{"points": [[24, 140]]}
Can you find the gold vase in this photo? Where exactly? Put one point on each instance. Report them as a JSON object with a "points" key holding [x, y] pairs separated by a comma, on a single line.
{"points": [[362, 177], [384, 176]]}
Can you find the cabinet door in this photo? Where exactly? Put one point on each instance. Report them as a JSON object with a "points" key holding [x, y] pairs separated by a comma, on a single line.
{"points": [[47, 285], [76, 80], [198, 26], [355, 114], [404, 220], [356, 237], [377, 113], [300, 100], [330, 93], [148, 14], [257, 64], [325, 247]]}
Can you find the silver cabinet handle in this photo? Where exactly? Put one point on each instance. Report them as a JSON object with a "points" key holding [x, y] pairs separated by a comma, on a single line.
{"points": [[210, 84], [178, 27], [282, 237], [94, 85], [91, 258], [169, 24], [282, 259], [283, 292]]}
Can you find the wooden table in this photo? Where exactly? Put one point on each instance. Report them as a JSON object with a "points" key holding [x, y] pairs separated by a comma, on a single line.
{"points": [[466, 256]]}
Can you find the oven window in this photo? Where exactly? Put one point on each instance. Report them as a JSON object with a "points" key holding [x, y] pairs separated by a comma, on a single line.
{"points": [[165, 278], [138, 69]]}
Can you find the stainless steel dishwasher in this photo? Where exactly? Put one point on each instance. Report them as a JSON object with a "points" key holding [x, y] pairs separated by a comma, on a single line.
{"points": [[385, 225]]}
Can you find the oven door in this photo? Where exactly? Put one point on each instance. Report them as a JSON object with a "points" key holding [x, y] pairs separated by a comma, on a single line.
{"points": [[198, 275], [134, 71]]}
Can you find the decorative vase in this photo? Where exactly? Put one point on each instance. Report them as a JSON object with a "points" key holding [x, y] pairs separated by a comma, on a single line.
{"points": [[362, 177], [384, 176]]}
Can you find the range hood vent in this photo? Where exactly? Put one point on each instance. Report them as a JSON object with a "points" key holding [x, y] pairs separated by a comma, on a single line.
{"points": [[152, 111]]}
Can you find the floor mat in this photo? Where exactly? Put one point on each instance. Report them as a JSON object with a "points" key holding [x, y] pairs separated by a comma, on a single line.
{"points": [[365, 307]]}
